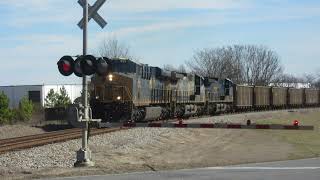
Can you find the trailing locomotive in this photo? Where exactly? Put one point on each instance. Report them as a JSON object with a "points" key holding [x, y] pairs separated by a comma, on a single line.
{"points": [[138, 92]]}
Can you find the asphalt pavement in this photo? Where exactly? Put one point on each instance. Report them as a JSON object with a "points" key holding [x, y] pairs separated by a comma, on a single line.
{"points": [[305, 169]]}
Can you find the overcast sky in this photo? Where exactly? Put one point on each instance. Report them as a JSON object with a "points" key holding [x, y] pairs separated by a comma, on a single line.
{"points": [[34, 34]]}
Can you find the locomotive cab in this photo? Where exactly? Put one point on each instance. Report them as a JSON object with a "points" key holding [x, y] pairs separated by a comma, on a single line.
{"points": [[111, 98]]}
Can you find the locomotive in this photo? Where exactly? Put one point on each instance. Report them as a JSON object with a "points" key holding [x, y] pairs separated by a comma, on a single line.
{"points": [[139, 92]]}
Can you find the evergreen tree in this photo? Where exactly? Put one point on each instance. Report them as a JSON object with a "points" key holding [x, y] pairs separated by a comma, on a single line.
{"points": [[4, 102], [51, 99], [54, 99], [5, 112], [63, 99], [25, 109]]}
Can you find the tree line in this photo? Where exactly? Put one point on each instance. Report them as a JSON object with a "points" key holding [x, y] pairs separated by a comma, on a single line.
{"points": [[243, 64], [247, 64]]}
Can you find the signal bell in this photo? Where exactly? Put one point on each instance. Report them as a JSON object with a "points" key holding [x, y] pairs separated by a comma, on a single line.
{"points": [[83, 65]]}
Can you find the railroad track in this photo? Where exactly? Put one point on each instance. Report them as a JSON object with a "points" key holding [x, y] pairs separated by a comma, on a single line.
{"points": [[24, 142], [18, 143]]}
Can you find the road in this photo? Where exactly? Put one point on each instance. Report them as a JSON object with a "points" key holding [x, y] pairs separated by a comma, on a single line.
{"points": [[308, 169]]}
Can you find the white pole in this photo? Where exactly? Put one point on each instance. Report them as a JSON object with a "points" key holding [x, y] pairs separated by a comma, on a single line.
{"points": [[84, 154], [84, 79]]}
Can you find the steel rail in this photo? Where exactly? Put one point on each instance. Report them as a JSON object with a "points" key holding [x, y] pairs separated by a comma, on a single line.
{"points": [[24, 142]]}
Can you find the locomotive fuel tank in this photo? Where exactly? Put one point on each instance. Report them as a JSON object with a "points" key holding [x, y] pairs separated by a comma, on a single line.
{"points": [[152, 113]]}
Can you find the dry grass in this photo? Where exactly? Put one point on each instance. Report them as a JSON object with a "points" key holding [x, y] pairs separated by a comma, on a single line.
{"points": [[307, 142]]}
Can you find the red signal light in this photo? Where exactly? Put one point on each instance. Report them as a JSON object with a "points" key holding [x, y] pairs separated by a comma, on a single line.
{"points": [[296, 123], [65, 65]]}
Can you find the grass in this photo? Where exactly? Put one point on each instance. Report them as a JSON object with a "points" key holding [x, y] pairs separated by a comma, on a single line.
{"points": [[306, 142]]}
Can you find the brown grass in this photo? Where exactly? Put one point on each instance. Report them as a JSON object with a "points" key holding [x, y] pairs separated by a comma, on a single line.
{"points": [[307, 142]]}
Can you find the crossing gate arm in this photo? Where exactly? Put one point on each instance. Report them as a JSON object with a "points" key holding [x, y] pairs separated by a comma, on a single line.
{"points": [[210, 125]]}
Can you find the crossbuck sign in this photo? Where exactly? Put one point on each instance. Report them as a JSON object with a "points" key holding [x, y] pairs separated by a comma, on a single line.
{"points": [[93, 13]]}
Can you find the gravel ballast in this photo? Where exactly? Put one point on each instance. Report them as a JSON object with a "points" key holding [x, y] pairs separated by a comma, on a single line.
{"points": [[63, 154]]}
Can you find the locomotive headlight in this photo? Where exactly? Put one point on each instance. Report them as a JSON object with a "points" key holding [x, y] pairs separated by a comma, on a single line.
{"points": [[110, 76], [119, 98]]}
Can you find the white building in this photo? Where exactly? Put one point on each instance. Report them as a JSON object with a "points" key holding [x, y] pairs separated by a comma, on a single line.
{"points": [[38, 93]]}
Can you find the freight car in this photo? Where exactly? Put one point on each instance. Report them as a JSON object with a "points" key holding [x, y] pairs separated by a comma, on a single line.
{"points": [[279, 97], [312, 97], [243, 97], [138, 92]]}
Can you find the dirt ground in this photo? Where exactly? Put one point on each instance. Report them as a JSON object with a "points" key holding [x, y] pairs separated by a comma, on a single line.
{"points": [[199, 148], [36, 125], [11, 131]]}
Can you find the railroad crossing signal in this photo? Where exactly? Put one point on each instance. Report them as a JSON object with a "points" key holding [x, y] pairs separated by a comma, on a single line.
{"points": [[93, 13], [83, 65]]}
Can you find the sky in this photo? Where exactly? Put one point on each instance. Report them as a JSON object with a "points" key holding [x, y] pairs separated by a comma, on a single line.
{"points": [[35, 34]]}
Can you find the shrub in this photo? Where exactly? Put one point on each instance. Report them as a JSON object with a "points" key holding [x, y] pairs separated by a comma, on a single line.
{"points": [[7, 116], [5, 113], [25, 109], [4, 102]]}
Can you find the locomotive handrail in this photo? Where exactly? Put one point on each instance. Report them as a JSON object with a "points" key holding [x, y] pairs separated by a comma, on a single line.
{"points": [[130, 95]]}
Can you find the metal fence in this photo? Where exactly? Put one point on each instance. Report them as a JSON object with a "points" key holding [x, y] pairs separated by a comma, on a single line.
{"points": [[51, 114]]}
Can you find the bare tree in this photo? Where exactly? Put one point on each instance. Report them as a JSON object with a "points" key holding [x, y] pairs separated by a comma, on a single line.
{"points": [[316, 83], [181, 68], [261, 65], [316, 80], [169, 67], [249, 64], [112, 48], [218, 62], [309, 78]]}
